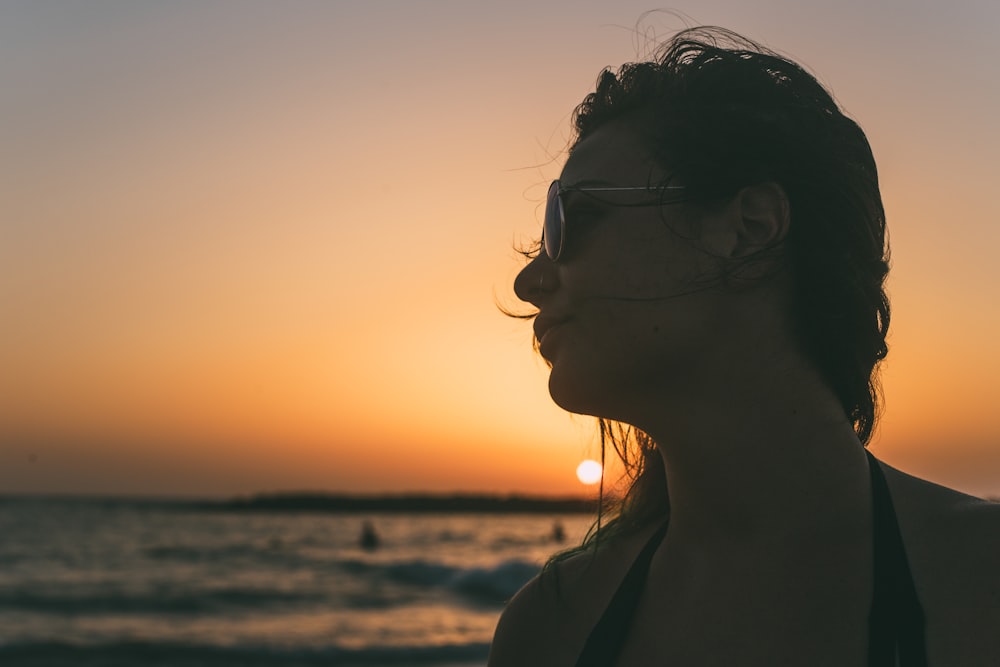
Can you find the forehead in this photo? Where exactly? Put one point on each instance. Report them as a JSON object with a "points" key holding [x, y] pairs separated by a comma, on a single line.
{"points": [[615, 154]]}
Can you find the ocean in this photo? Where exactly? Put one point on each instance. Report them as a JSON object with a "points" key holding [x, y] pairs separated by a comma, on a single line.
{"points": [[117, 583]]}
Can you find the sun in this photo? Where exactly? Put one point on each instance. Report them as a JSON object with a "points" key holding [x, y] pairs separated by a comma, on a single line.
{"points": [[589, 472]]}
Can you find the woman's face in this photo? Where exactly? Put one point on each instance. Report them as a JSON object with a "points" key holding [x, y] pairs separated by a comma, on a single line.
{"points": [[628, 311]]}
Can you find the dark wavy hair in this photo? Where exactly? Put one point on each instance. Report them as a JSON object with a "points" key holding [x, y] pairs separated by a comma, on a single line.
{"points": [[720, 113]]}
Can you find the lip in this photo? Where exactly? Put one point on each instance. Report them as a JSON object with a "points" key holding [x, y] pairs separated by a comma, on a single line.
{"points": [[544, 324]]}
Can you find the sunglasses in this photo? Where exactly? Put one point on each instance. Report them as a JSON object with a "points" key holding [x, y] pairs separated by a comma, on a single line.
{"points": [[554, 226]]}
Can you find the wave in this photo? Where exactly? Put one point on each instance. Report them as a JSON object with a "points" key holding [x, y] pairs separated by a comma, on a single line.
{"points": [[272, 555], [159, 601], [498, 583], [491, 586], [272, 551], [484, 584], [161, 654]]}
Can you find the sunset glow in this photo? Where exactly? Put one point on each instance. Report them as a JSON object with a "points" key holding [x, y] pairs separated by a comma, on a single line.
{"points": [[246, 247]]}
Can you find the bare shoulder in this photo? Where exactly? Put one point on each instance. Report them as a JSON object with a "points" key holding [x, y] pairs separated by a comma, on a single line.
{"points": [[953, 544], [547, 621], [946, 522], [531, 625]]}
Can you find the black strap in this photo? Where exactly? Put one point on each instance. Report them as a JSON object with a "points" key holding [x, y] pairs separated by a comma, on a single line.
{"points": [[895, 622], [606, 639], [896, 619]]}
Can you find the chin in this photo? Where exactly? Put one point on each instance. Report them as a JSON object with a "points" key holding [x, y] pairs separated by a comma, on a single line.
{"points": [[584, 393]]}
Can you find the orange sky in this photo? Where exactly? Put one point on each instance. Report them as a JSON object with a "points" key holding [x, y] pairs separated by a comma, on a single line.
{"points": [[250, 246]]}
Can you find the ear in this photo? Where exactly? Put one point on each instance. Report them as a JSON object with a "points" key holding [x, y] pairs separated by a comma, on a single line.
{"points": [[755, 219], [764, 218]]}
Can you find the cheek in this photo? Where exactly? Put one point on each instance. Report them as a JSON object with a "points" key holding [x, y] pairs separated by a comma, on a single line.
{"points": [[610, 358], [636, 328], [651, 269], [640, 346], [622, 354]]}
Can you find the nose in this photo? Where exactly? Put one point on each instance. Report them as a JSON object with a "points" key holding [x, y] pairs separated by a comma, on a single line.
{"points": [[536, 280]]}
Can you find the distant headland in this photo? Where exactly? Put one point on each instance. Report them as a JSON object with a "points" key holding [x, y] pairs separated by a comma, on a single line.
{"points": [[407, 503], [340, 503]]}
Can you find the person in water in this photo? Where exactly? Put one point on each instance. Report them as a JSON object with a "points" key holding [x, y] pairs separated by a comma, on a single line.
{"points": [[710, 283], [369, 540]]}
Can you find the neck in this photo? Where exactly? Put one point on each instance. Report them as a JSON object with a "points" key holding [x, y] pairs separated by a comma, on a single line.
{"points": [[770, 456]]}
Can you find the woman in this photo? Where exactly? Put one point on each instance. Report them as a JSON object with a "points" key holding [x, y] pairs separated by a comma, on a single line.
{"points": [[710, 283]]}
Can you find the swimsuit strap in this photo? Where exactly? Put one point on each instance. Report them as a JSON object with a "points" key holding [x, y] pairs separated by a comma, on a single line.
{"points": [[608, 636], [896, 619]]}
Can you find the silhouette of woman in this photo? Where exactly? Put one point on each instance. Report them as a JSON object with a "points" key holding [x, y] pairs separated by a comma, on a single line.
{"points": [[710, 284]]}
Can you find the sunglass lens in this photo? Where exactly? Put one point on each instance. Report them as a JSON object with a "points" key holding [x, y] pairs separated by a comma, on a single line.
{"points": [[552, 230]]}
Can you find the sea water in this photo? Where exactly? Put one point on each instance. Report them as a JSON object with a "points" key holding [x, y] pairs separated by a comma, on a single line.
{"points": [[89, 582]]}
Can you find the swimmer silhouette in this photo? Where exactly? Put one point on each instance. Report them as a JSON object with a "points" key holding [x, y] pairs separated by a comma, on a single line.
{"points": [[558, 532], [369, 540]]}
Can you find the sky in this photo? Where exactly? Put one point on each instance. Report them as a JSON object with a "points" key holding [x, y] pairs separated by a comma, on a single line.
{"points": [[258, 246]]}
